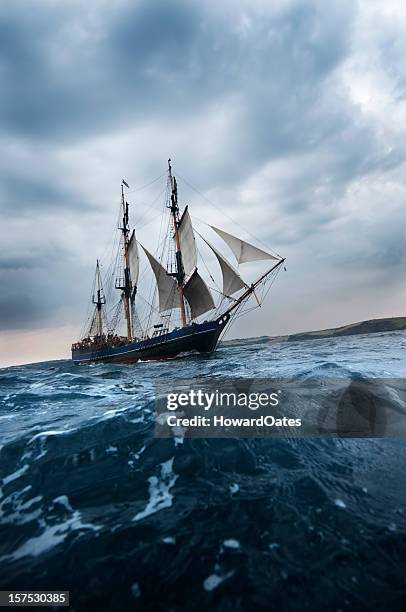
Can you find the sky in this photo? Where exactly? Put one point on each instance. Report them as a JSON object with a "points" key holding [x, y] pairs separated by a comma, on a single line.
{"points": [[289, 117]]}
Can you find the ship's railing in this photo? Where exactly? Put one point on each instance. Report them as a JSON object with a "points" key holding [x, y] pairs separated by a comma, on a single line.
{"points": [[99, 342]]}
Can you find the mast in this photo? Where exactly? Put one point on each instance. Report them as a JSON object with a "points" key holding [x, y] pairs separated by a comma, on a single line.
{"points": [[180, 273], [99, 300], [125, 283]]}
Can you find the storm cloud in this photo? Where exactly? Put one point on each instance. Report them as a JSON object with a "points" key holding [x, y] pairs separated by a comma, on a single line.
{"points": [[289, 116]]}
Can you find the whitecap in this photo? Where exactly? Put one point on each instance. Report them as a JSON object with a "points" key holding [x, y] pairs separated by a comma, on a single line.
{"points": [[111, 449], [51, 432], [142, 449], [50, 537], [17, 509], [231, 543], [15, 475], [64, 501], [31, 502], [138, 420], [213, 581], [159, 491]]}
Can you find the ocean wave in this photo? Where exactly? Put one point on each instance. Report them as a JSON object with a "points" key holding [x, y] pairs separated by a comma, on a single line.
{"points": [[92, 502]]}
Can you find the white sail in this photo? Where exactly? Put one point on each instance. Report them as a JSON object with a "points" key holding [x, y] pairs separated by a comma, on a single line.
{"points": [[133, 258], [198, 295], [243, 251], [167, 286], [232, 281], [187, 243]]}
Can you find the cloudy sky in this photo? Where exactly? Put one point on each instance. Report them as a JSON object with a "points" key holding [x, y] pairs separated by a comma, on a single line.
{"points": [[290, 116]]}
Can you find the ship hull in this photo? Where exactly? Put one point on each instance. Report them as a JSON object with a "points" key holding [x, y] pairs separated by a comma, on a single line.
{"points": [[199, 337]]}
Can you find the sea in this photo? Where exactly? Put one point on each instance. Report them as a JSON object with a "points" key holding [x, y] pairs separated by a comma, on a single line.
{"points": [[93, 503]]}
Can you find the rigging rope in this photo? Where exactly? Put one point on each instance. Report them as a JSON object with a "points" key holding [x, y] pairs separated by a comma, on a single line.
{"points": [[225, 214]]}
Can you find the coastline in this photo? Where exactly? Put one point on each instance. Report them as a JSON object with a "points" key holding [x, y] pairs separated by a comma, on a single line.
{"points": [[371, 326]]}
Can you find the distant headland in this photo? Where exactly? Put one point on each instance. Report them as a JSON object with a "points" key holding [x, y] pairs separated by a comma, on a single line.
{"points": [[373, 326]]}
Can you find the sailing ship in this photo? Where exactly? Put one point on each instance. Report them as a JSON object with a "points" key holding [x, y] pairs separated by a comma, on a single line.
{"points": [[172, 324]]}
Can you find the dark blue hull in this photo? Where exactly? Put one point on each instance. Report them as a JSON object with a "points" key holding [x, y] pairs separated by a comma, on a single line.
{"points": [[198, 337]]}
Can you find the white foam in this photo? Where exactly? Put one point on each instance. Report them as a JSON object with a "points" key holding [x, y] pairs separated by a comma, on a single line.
{"points": [[231, 543], [64, 501], [19, 514], [15, 475], [67, 375], [52, 432], [50, 537], [111, 449], [37, 385], [30, 502], [135, 456], [339, 503], [34, 547], [213, 581], [42, 451], [138, 420], [113, 412], [142, 449], [159, 495]]}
